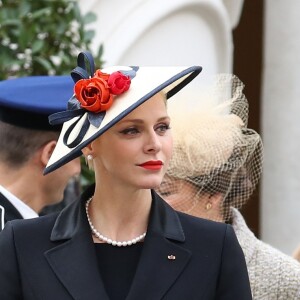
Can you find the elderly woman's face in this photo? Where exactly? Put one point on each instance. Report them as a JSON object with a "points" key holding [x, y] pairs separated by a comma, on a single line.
{"points": [[136, 151], [178, 193], [186, 197]]}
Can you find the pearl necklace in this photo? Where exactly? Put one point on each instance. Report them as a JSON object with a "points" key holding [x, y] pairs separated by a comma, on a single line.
{"points": [[106, 239]]}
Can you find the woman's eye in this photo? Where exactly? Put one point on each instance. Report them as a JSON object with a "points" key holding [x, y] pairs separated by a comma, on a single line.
{"points": [[130, 131], [162, 128]]}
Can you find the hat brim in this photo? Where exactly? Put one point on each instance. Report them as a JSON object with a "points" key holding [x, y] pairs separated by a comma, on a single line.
{"points": [[148, 82]]}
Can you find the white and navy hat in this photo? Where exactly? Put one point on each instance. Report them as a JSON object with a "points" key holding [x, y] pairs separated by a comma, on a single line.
{"points": [[103, 97], [27, 101]]}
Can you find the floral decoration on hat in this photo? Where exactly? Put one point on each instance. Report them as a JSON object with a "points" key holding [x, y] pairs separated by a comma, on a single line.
{"points": [[94, 94]]}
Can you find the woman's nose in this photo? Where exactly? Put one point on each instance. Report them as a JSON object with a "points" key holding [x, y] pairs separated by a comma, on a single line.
{"points": [[152, 143]]}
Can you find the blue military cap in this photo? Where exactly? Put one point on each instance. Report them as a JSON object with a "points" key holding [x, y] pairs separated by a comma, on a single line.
{"points": [[28, 101]]}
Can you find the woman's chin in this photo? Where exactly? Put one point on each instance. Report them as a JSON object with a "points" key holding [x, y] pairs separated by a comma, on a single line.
{"points": [[154, 184]]}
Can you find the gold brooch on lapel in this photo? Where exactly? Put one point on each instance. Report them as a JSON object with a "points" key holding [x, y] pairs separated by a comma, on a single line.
{"points": [[171, 257]]}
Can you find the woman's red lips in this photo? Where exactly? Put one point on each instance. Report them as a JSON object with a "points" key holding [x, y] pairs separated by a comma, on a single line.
{"points": [[152, 165]]}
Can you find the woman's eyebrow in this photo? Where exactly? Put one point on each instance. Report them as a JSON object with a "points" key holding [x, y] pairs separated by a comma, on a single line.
{"points": [[141, 121], [132, 121]]}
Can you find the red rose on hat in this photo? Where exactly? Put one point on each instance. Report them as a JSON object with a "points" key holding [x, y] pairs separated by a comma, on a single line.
{"points": [[93, 94], [118, 83], [96, 94], [102, 75]]}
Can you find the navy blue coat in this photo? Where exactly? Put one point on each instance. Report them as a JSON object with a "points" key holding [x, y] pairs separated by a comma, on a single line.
{"points": [[53, 257]]}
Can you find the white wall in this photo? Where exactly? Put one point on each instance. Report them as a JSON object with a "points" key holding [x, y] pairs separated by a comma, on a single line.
{"points": [[280, 205], [168, 32]]}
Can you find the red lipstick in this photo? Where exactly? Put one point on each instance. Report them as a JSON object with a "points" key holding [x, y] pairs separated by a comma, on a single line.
{"points": [[152, 165]]}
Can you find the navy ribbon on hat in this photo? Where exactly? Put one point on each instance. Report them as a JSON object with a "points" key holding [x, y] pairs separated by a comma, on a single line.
{"points": [[85, 62], [85, 69]]}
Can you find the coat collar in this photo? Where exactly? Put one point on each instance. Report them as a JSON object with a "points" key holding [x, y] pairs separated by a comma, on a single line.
{"points": [[163, 219], [165, 238]]}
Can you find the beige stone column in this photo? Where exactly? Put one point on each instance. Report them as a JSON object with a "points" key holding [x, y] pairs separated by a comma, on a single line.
{"points": [[280, 201]]}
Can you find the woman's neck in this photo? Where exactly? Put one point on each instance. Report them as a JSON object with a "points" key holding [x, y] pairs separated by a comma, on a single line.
{"points": [[120, 214]]}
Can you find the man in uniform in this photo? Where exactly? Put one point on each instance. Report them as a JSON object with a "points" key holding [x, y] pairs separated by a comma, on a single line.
{"points": [[26, 143]]}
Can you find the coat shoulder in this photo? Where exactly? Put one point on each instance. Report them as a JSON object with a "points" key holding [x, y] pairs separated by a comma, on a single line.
{"points": [[283, 281], [35, 226], [206, 232], [201, 224]]}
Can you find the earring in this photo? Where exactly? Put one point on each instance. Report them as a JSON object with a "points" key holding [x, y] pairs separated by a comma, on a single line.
{"points": [[89, 157], [208, 206]]}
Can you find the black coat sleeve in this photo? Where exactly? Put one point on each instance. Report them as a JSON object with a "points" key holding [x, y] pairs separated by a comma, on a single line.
{"points": [[233, 282], [9, 274]]}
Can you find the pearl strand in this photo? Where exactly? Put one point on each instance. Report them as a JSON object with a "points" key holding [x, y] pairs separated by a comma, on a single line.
{"points": [[106, 239]]}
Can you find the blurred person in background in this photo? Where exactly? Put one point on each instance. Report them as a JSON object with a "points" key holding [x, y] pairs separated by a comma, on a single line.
{"points": [[215, 167], [27, 141]]}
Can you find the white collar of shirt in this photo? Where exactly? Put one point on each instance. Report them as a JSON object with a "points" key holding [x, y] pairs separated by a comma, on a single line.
{"points": [[25, 211]]}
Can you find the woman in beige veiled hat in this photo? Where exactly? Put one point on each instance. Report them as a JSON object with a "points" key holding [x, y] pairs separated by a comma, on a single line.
{"points": [[216, 165]]}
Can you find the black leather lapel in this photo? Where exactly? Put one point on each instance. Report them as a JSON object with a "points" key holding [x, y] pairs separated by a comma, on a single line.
{"points": [[74, 261], [75, 264], [160, 264], [163, 257]]}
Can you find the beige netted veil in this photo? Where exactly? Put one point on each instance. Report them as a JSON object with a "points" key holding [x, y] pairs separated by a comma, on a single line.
{"points": [[214, 151]]}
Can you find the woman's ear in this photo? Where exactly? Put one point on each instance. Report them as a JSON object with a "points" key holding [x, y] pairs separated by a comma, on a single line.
{"points": [[87, 150], [213, 207], [46, 152], [216, 199], [88, 154]]}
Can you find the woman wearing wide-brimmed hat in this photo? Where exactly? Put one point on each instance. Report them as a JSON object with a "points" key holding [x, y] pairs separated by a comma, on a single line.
{"points": [[216, 165], [121, 241]]}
